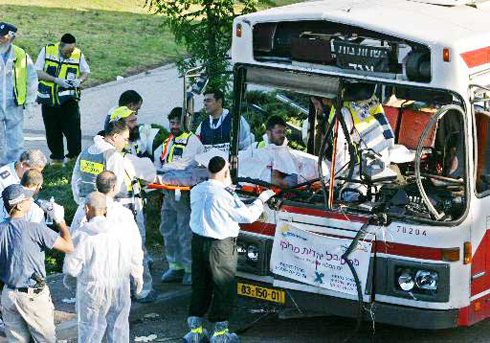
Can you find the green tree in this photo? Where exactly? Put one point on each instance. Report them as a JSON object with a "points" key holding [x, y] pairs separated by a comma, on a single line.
{"points": [[205, 29]]}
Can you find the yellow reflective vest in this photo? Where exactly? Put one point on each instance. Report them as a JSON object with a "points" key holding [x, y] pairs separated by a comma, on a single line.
{"points": [[20, 75], [49, 93], [177, 149], [370, 123]]}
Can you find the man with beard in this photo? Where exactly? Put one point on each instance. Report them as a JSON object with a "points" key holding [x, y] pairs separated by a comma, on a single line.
{"points": [[18, 90], [61, 69], [131, 99], [274, 139], [177, 153]]}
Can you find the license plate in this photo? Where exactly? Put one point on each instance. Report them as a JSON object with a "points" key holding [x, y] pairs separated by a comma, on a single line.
{"points": [[263, 293]]}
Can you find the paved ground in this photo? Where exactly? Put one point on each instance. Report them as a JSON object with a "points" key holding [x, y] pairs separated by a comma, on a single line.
{"points": [[161, 89]]}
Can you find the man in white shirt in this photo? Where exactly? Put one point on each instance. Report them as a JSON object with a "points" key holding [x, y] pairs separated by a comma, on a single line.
{"points": [[61, 69], [105, 257], [176, 154], [216, 212], [215, 130]]}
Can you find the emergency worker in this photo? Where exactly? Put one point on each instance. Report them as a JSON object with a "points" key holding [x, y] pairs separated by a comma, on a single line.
{"points": [[18, 89], [215, 213], [275, 136], [131, 99], [322, 107], [104, 154], [215, 130], [143, 170], [104, 258], [32, 180], [13, 173], [176, 153], [107, 154], [366, 123], [61, 69], [28, 311]]}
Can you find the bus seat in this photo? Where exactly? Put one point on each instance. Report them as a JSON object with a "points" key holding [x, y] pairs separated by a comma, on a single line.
{"points": [[411, 127]]}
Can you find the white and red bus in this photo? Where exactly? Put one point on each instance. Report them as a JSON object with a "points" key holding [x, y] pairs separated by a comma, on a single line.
{"points": [[419, 242]]}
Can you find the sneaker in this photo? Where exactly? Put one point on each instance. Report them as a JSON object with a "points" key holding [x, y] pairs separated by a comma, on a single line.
{"points": [[222, 335], [187, 279], [197, 333], [151, 297], [173, 275]]}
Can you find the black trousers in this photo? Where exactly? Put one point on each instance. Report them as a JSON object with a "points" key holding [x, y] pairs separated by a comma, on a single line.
{"points": [[214, 265], [59, 121]]}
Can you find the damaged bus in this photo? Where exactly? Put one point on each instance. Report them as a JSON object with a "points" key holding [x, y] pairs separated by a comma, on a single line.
{"points": [[395, 220]]}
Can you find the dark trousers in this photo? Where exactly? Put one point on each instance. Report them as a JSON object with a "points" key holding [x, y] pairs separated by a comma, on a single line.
{"points": [[59, 121], [214, 265]]}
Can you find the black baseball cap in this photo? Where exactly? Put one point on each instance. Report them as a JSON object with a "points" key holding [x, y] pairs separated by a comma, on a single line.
{"points": [[15, 194], [6, 28]]}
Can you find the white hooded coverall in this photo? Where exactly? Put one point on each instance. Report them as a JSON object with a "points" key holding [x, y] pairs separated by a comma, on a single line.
{"points": [[134, 167], [11, 115], [106, 254]]}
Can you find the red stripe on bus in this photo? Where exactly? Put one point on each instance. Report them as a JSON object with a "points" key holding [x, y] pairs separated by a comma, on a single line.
{"points": [[260, 228], [476, 57], [406, 250], [396, 249]]}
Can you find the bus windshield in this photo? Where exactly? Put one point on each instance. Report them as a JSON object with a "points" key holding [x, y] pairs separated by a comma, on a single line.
{"points": [[355, 146]]}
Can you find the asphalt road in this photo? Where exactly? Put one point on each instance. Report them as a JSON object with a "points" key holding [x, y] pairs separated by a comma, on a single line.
{"points": [[161, 89], [255, 321]]}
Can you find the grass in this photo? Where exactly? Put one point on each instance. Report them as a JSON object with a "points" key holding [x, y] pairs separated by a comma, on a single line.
{"points": [[114, 42]]}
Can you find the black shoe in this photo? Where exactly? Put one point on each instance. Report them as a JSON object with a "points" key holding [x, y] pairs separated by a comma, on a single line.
{"points": [[151, 297], [173, 275]]}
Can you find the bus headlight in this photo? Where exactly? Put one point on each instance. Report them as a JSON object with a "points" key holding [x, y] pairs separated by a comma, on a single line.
{"points": [[426, 280], [252, 253], [405, 281]]}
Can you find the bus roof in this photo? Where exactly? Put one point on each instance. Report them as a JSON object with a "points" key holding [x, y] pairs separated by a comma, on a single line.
{"points": [[462, 26]]}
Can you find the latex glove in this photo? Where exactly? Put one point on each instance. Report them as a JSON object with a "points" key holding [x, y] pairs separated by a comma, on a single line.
{"points": [[266, 195], [69, 282], [57, 213], [76, 83], [62, 83], [30, 110], [139, 285]]}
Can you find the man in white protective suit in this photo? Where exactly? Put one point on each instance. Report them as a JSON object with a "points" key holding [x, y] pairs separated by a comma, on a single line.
{"points": [[18, 92], [106, 154], [105, 257]]}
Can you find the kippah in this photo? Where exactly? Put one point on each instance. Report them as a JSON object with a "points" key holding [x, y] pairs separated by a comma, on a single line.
{"points": [[216, 164], [68, 38]]}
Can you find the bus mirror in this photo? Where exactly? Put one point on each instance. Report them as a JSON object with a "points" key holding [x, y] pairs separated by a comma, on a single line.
{"points": [[417, 66], [200, 85]]}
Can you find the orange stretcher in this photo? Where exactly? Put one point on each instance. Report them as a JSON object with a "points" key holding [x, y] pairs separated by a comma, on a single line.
{"points": [[168, 187]]}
